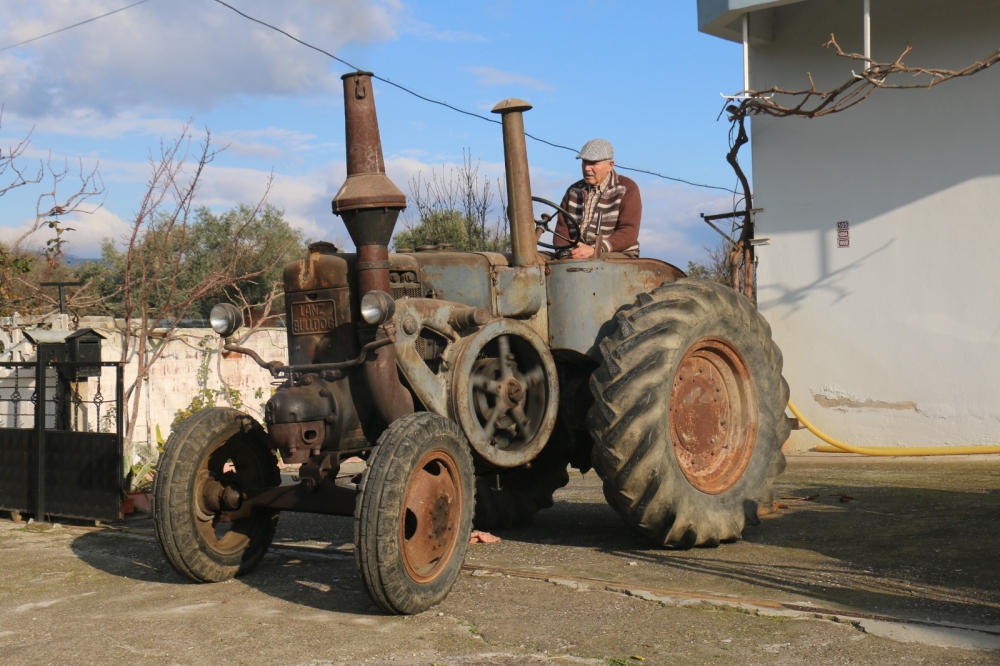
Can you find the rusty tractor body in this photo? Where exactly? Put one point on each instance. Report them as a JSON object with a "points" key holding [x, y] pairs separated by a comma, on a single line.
{"points": [[469, 381]]}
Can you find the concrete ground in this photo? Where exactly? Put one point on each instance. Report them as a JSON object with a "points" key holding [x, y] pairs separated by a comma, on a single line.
{"points": [[865, 561]]}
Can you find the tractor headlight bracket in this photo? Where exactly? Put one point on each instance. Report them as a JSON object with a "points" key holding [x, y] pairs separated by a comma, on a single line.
{"points": [[225, 319], [377, 307]]}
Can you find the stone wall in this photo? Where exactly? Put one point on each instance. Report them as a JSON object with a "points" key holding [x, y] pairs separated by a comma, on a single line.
{"points": [[191, 362]]}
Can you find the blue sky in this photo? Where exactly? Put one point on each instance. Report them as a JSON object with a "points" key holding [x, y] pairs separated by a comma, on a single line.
{"points": [[636, 73]]}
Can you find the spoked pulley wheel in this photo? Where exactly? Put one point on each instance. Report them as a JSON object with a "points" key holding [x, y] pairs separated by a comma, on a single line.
{"points": [[508, 392], [505, 393]]}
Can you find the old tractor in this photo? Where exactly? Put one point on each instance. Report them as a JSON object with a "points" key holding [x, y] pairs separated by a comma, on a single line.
{"points": [[469, 382]]}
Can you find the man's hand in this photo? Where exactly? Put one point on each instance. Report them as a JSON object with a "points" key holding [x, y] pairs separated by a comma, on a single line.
{"points": [[582, 252]]}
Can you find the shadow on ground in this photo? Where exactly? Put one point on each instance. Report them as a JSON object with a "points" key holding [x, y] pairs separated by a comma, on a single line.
{"points": [[919, 553], [908, 551], [328, 583]]}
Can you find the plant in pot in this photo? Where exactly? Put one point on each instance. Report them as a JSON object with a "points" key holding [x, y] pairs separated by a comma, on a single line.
{"points": [[139, 482]]}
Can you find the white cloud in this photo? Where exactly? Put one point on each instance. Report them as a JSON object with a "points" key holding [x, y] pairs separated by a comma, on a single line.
{"points": [[491, 76], [88, 231], [182, 52], [671, 226], [428, 31], [305, 198]]}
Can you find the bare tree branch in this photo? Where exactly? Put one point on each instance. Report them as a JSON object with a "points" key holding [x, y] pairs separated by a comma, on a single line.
{"points": [[19, 274], [814, 103]]}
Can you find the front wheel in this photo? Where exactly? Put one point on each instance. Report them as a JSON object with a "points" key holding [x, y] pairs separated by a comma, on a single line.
{"points": [[413, 518], [688, 418], [215, 450]]}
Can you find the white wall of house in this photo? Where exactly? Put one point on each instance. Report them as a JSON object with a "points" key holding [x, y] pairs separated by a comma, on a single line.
{"points": [[894, 340]]}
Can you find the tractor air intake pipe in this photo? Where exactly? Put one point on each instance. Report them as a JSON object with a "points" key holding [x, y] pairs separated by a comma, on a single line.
{"points": [[369, 204], [515, 155]]}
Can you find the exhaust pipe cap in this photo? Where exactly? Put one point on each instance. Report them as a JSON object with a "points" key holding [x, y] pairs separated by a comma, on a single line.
{"points": [[511, 104]]}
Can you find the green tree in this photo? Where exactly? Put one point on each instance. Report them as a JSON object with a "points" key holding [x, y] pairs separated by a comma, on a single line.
{"points": [[200, 247], [455, 207], [440, 226]]}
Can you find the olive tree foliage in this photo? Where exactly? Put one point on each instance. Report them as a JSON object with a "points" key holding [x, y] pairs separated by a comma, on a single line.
{"points": [[457, 207], [25, 260], [177, 259], [208, 237]]}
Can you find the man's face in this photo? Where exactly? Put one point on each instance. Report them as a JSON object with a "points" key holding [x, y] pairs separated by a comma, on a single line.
{"points": [[595, 172]]}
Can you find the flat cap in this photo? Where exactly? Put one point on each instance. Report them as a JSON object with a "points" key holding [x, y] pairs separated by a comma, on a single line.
{"points": [[597, 150]]}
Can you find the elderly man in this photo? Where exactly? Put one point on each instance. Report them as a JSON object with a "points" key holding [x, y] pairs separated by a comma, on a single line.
{"points": [[606, 206]]}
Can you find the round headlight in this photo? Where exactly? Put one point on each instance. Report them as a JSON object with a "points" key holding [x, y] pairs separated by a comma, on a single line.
{"points": [[225, 318], [377, 307]]}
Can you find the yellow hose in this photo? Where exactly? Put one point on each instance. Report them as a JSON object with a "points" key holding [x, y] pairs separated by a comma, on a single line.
{"points": [[840, 447]]}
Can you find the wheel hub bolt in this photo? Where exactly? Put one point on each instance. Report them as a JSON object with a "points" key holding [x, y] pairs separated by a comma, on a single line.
{"points": [[514, 392], [230, 498]]}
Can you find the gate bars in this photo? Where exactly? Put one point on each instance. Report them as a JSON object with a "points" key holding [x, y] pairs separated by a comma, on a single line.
{"points": [[65, 462]]}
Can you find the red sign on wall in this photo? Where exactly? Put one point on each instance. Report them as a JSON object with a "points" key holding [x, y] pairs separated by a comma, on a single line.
{"points": [[843, 234]]}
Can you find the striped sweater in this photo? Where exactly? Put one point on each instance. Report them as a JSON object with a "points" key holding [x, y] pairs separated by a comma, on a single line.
{"points": [[619, 206]]}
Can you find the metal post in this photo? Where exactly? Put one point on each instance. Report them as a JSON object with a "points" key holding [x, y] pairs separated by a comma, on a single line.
{"points": [[40, 435], [746, 52], [119, 420], [868, 34], [62, 293]]}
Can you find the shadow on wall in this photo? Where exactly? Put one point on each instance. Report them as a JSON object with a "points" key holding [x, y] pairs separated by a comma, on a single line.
{"points": [[829, 281]]}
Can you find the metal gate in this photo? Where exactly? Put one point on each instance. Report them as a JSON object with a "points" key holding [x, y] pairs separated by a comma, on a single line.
{"points": [[61, 440]]}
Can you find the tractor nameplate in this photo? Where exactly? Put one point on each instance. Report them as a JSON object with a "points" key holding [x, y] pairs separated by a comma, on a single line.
{"points": [[313, 317]]}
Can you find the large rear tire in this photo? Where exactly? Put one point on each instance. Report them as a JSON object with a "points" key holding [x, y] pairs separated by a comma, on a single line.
{"points": [[688, 419], [195, 542], [414, 515]]}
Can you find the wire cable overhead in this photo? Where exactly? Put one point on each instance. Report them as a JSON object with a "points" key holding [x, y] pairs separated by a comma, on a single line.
{"points": [[405, 89], [451, 106], [75, 25]]}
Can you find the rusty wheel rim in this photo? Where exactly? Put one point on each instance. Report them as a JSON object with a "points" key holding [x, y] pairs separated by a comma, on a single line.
{"points": [[431, 516], [713, 422], [223, 467]]}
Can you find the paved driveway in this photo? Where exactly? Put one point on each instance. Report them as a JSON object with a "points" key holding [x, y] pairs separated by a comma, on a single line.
{"points": [[866, 561]]}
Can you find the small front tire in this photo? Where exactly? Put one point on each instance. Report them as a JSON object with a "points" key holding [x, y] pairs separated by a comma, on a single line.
{"points": [[191, 536], [413, 518]]}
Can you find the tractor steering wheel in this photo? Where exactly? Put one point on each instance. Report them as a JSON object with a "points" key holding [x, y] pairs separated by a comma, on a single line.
{"points": [[571, 224]]}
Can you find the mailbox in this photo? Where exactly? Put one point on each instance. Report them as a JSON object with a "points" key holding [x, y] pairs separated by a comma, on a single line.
{"points": [[84, 346], [77, 346]]}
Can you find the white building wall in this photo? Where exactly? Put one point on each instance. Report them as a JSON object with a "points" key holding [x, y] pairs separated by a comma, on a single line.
{"points": [[896, 339]]}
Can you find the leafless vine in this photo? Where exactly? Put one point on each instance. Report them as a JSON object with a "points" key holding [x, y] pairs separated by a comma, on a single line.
{"points": [[814, 103]]}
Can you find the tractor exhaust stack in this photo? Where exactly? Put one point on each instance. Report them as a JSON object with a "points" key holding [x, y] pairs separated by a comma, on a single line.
{"points": [[369, 203], [519, 209]]}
